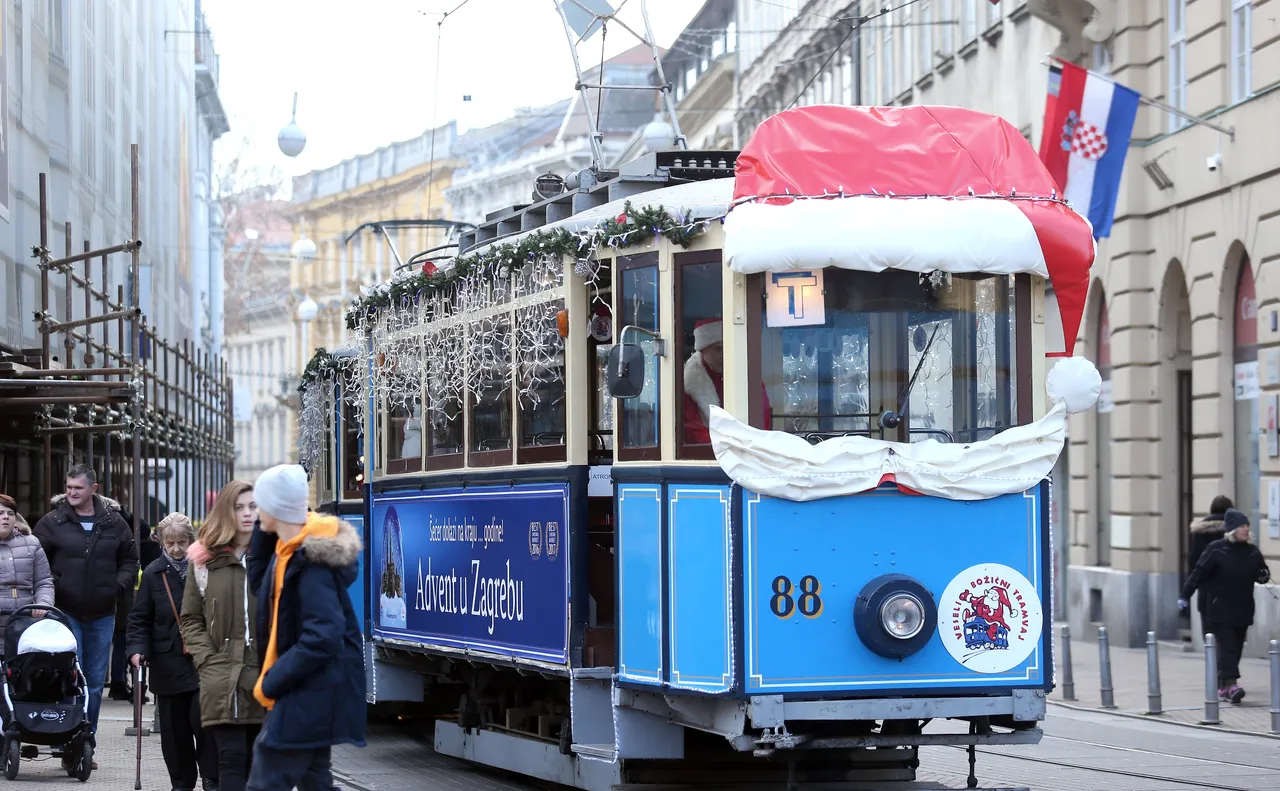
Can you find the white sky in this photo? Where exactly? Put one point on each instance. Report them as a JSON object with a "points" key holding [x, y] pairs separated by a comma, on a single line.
{"points": [[365, 69]]}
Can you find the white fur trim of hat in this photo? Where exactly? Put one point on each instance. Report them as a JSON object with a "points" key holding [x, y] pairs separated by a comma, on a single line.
{"points": [[706, 334]]}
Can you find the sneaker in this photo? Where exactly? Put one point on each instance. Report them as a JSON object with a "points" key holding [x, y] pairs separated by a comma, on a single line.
{"points": [[1235, 694], [120, 692], [1224, 693]]}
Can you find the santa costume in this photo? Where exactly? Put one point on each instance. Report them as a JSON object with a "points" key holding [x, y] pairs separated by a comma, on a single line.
{"points": [[704, 387]]}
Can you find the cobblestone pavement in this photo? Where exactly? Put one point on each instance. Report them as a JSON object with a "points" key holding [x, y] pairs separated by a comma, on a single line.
{"points": [[1081, 751], [1181, 685]]}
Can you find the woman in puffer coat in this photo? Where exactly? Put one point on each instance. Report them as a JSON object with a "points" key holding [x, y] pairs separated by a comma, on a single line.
{"points": [[219, 624], [24, 570]]}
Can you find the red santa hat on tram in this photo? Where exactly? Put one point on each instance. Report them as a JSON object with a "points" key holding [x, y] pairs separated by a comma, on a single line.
{"points": [[706, 333]]}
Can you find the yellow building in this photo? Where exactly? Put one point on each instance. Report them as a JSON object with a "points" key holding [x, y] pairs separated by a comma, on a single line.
{"points": [[334, 207]]}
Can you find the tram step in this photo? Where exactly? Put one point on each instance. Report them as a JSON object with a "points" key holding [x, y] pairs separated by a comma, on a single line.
{"points": [[594, 750]]}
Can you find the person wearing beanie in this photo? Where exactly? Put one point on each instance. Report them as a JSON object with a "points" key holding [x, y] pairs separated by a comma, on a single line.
{"points": [[1205, 531], [704, 382], [1225, 575], [312, 681]]}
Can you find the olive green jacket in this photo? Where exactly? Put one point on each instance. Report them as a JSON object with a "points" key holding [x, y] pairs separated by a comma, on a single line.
{"points": [[218, 626]]}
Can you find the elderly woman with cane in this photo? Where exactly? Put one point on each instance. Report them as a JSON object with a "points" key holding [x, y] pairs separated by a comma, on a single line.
{"points": [[154, 637]]}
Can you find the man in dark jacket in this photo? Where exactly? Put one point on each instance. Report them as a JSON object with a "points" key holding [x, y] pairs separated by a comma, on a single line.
{"points": [[1225, 575], [312, 680], [1205, 531], [94, 561]]}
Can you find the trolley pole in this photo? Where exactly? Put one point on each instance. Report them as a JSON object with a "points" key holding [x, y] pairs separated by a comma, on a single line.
{"points": [[1104, 669], [1210, 681], [1068, 678], [1153, 675]]}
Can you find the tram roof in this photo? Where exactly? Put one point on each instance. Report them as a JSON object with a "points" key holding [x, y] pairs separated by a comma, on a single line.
{"points": [[697, 199]]}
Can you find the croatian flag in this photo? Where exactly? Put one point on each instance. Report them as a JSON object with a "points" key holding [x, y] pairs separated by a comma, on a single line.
{"points": [[1088, 121]]}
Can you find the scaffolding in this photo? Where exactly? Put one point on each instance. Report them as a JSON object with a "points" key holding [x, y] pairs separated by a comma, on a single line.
{"points": [[153, 418]]}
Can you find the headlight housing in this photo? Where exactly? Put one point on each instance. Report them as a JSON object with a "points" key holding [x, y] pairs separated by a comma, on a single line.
{"points": [[895, 616]]}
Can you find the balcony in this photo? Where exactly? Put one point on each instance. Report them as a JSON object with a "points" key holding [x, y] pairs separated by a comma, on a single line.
{"points": [[1083, 23], [207, 98]]}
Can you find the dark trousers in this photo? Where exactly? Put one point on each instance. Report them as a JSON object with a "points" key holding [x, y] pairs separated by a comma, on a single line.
{"points": [[286, 770], [235, 754], [183, 742], [1230, 642], [119, 667]]}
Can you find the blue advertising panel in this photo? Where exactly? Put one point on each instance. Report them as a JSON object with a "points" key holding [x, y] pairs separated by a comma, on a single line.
{"points": [[357, 588], [640, 583], [699, 548], [982, 563], [482, 569]]}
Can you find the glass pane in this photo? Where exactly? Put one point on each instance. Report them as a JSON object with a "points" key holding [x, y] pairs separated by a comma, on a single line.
{"points": [[639, 307], [352, 449], [404, 430], [491, 420], [602, 432], [540, 351], [702, 350], [937, 347]]}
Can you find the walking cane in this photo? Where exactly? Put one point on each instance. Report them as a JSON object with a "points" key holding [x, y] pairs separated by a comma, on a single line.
{"points": [[137, 723]]}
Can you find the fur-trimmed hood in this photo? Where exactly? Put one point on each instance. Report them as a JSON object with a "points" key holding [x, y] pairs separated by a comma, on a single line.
{"points": [[107, 503], [337, 551], [1210, 524]]}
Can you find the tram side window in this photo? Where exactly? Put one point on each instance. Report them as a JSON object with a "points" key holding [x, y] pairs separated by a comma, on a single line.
{"points": [[599, 342], [404, 437], [699, 301], [443, 418], [352, 452], [541, 384], [491, 405], [331, 422], [952, 334], [637, 306]]}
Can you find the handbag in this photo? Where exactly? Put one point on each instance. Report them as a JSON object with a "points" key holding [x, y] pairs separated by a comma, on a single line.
{"points": [[177, 618]]}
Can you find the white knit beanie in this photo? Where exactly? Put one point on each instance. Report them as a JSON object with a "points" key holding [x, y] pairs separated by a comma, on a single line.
{"points": [[282, 492]]}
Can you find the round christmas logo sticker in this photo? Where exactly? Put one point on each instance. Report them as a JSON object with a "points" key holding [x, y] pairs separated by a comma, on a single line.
{"points": [[990, 618]]}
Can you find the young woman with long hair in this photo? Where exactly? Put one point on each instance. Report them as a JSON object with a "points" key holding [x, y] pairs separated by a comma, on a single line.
{"points": [[219, 622]]}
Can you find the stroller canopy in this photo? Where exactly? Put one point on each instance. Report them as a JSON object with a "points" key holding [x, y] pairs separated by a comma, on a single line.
{"points": [[47, 636]]}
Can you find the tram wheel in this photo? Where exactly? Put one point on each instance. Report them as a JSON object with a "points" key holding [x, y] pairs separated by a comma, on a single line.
{"points": [[12, 760]]}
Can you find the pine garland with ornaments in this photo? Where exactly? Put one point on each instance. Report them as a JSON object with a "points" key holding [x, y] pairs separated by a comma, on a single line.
{"points": [[632, 227]]}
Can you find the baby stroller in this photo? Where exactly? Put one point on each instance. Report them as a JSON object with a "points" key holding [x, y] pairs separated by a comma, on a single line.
{"points": [[46, 700]]}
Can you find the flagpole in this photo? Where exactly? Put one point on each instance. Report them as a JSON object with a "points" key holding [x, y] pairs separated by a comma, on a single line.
{"points": [[1228, 131]]}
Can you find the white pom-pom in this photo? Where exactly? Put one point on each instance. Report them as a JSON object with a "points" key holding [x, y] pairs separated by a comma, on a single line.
{"points": [[1075, 382]]}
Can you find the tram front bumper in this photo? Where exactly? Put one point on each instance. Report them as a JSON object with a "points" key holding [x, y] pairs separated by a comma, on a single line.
{"points": [[772, 711]]}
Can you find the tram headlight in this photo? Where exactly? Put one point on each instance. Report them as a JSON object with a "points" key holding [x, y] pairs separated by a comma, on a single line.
{"points": [[902, 616], [895, 616]]}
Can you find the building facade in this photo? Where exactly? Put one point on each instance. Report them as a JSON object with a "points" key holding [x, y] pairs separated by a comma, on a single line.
{"points": [[260, 344], [81, 82], [332, 207]]}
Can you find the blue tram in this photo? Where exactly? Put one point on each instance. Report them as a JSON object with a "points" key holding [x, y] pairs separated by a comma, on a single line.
{"points": [[732, 463]]}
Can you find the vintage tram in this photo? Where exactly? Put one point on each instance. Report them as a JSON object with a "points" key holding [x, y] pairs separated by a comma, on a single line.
{"points": [[728, 464]]}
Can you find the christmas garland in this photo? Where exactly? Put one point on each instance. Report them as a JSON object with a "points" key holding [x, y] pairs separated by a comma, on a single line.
{"points": [[632, 227], [321, 366]]}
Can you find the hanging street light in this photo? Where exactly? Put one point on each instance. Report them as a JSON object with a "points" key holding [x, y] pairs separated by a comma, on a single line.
{"points": [[292, 139], [303, 250]]}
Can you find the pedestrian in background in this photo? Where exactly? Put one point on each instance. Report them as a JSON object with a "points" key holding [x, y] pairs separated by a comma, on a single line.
{"points": [[312, 680], [1205, 531], [94, 561], [219, 624], [154, 637], [120, 685], [25, 578], [1225, 575]]}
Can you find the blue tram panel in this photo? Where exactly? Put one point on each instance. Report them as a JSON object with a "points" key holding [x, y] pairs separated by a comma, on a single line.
{"points": [[980, 568], [481, 569], [357, 588]]}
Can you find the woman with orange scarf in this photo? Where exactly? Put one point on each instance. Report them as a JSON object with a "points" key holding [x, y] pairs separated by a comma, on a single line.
{"points": [[312, 681]]}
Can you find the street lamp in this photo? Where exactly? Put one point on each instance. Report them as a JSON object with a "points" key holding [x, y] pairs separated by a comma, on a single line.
{"points": [[307, 312], [658, 134], [292, 139], [303, 250]]}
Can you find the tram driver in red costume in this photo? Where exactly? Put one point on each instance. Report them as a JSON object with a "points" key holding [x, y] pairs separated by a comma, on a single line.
{"points": [[704, 383]]}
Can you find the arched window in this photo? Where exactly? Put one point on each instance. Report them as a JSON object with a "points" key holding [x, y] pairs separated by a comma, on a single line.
{"points": [[1102, 439], [1247, 391]]}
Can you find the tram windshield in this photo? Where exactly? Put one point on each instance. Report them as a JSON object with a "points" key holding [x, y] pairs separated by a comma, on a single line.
{"points": [[936, 349]]}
